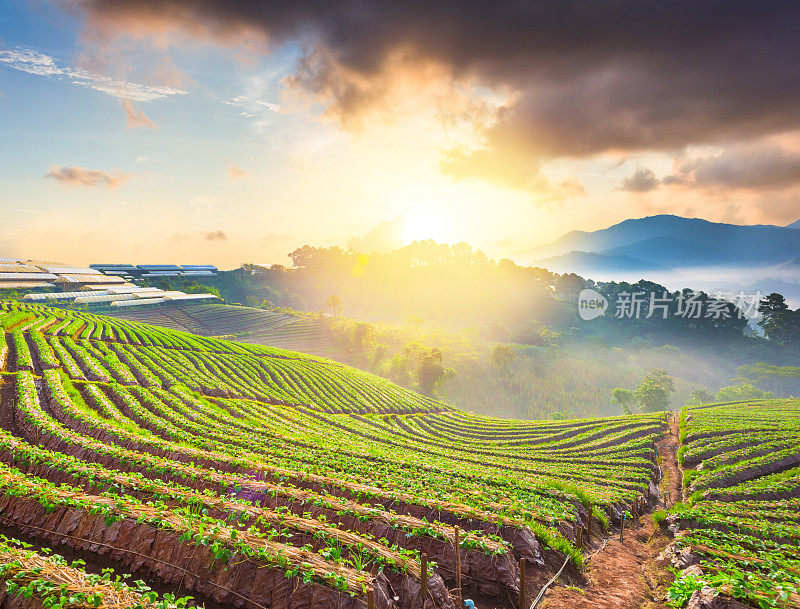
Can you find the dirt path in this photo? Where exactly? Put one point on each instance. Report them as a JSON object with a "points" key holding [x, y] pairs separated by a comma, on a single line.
{"points": [[673, 472], [6, 390], [623, 575]]}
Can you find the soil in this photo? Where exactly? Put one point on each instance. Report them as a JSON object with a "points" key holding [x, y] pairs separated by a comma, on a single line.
{"points": [[625, 574]]}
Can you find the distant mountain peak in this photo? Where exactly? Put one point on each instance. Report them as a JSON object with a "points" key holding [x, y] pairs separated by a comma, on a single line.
{"points": [[674, 242]]}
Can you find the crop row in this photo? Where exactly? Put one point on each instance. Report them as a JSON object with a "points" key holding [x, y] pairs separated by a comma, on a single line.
{"points": [[410, 532], [741, 519], [57, 467], [214, 369], [54, 582], [344, 471]]}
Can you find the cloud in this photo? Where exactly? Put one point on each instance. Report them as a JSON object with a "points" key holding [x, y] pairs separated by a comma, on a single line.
{"points": [[384, 237], [39, 64], [759, 167], [510, 169], [136, 118], [251, 105], [588, 76], [642, 180], [198, 237], [236, 173], [204, 205], [80, 176], [31, 62], [215, 235]]}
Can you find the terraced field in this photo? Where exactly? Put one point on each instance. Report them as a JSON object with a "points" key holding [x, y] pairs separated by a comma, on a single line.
{"points": [[251, 476], [255, 326], [741, 523]]}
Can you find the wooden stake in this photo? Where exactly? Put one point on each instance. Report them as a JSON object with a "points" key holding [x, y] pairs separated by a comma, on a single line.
{"points": [[423, 589], [371, 598], [458, 571], [622, 527], [579, 535], [589, 526], [522, 591]]}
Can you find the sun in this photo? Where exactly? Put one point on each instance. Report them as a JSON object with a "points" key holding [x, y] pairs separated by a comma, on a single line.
{"points": [[427, 224]]}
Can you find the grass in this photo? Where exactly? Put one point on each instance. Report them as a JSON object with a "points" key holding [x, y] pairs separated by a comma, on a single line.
{"points": [[660, 517]]}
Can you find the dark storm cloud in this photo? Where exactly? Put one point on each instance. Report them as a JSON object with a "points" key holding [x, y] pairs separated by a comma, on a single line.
{"points": [[590, 75]]}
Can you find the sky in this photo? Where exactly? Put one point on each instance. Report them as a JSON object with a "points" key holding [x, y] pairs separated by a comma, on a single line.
{"points": [[203, 131]]}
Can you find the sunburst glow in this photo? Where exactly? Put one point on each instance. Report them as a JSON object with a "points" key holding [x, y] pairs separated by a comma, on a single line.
{"points": [[428, 223]]}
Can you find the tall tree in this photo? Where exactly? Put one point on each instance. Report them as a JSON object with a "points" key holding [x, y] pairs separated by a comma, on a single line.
{"points": [[335, 303], [778, 321], [653, 392], [431, 373], [502, 358], [624, 398]]}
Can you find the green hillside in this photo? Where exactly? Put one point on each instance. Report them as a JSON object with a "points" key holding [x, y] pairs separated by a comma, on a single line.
{"points": [[223, 454]]}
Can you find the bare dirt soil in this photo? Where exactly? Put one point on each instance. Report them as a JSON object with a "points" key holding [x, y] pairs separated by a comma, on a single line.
{"points": [[625, 574]]}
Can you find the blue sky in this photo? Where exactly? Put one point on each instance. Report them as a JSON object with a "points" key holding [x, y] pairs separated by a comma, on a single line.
{"points": [[177, 170]]}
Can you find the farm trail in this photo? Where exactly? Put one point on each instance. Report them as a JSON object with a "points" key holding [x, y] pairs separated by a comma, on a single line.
{"points": [[6, 391], [624, 574]]}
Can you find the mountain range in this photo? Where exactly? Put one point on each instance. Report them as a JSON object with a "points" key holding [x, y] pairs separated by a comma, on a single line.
{"points": [[680, 252], [671, 243]]}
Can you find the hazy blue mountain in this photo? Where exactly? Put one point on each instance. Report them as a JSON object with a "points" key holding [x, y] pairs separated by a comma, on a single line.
{"points": [[600, 266], [795, 225], [675, 242], [675, 252]]}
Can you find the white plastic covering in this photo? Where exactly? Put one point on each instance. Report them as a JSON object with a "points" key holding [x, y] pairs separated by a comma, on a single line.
{"points": [[57, 295], [143, 295], [138, 302], [13, 285], [8, 267], [191, 297], [27, 277], [99, 278], [103, 298], [68, 270], [130, 289]]}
